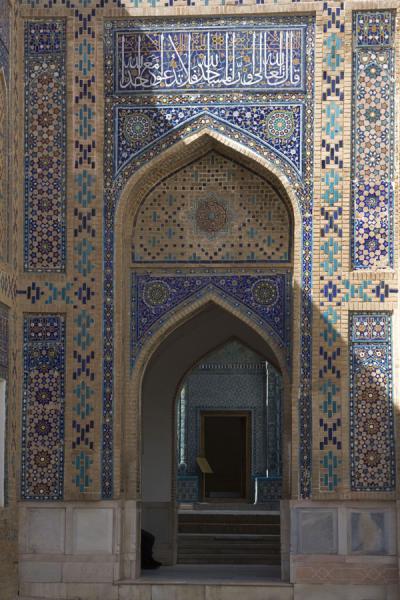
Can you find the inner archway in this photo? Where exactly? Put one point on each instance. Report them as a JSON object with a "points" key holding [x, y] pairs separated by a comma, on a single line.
{"points": [[228, 430], [207, 330]]}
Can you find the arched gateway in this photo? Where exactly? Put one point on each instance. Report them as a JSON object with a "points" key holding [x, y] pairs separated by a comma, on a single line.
{"points": [[208, 253], [199, 281]]}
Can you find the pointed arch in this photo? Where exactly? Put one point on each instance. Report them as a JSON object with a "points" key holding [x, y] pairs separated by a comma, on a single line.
{"points": [[132, 410], [173, 338], [186, 312], [126, 391], [186, 151]]}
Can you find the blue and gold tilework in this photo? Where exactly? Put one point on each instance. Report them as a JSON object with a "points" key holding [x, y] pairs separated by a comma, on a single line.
{"points": [[85, 324], [265, 299], [330, 236], [198, 84], [145, 116], [373, 140], [42, 469], [45, 139], [213, 210], [372, 449]]}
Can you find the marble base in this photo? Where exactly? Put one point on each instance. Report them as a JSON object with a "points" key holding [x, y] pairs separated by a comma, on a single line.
{"points": [[89, 551], [210, 592]]}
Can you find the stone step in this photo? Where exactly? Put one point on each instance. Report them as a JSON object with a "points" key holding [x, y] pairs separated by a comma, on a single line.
{"points": [[228, 552], [228, 538], [220, 559], [190, 543], [224, 517], [215, 545], [242, 528], [232, 541], [209, 591]]}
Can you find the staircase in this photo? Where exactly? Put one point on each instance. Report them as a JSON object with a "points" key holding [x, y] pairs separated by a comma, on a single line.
{"points": [[230, 537]]}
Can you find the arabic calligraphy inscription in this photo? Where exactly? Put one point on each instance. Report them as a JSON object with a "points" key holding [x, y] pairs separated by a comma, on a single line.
{"points": [[265, 58]]}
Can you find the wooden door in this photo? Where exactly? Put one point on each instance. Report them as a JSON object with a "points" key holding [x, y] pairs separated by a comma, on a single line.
{"points": [[225, 444]]}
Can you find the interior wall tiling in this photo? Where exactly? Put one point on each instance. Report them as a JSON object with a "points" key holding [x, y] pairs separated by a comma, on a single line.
{"points": [[232, 378]]}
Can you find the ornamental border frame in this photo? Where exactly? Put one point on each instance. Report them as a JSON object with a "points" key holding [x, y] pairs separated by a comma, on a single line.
{"points": [[302, 189], [223, 21]]}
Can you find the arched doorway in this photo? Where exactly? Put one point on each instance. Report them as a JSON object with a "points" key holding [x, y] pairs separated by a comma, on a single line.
{"points": [[229, 429], [229, 459], [246, 202], [206, 329]]}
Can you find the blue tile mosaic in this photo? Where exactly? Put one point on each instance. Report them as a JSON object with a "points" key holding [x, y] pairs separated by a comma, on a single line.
{"points": [[294, 169], [266, 299], [278, 127], [196, 56], [373, 139], [331, 288], [233, 378], [45, 142], [372, 444], [42, 442]]}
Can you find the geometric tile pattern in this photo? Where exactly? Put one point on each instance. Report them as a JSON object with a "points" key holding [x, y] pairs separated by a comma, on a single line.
{"points": [[372, 198], [302, 186], [371, 404], [45, 139], [84, 235], [213, 210], [187, 488], [266, 299], [42, 475], [4, 131], [231, 377], [45, 45], [330, 247], [373, 139], [145, 4], [366, 290], [268, 488], [140, 128], [275, 126]]}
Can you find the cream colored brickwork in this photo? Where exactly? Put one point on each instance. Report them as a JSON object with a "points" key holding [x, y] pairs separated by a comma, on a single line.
{"points": [[147, 192]]}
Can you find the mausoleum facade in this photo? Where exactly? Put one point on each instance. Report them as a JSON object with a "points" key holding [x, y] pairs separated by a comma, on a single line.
{"points": [[198, 234]]}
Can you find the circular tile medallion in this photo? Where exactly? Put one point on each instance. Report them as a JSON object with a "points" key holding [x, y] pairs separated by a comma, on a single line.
{"points": [[280, 125], [137, 129], [156, 293], [265, 292], [211, 216]]}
